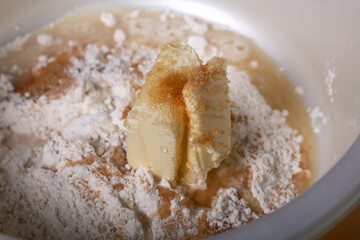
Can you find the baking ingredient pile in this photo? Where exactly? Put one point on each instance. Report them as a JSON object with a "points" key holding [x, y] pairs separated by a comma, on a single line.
{"points": [[63, 167]]}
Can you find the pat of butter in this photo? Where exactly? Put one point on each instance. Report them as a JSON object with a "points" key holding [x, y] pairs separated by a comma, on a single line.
{"points": [[157, 122], [156, 146], [180, 123], [209, 132]]}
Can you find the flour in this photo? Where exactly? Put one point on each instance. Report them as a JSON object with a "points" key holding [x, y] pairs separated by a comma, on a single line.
{"points": [[271, 185], [80, 111], [318, 118], [329, 80], [299, 90], [44, 39], [229, 210], [14, 45], [119, 37], [134, 14], [108, 19], [63, 170], [195, 25], [43, 60], [235, 50], [5, 86], [38, 205]]}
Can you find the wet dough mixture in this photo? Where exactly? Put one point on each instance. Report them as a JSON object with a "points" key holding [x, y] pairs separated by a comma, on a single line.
{"points": [[65, 91]]}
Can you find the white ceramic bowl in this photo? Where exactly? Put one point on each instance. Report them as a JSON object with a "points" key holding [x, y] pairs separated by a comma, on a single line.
{"points": [[302, 37]]}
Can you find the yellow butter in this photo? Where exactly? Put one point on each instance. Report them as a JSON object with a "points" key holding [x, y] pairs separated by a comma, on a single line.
{"points": [[181, 117]]}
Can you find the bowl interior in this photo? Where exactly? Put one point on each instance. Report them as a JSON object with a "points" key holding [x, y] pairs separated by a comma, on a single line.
{"points": [[316, 42], [309, 41]]}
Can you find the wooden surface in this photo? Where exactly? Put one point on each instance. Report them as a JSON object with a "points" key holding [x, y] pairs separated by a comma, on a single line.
{"points": [[349, 228]]}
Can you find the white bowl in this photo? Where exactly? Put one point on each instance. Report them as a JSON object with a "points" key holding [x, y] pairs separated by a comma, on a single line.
{"points": [[302, 37]]}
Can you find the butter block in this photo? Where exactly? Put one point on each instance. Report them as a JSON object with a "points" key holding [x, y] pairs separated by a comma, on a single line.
{"points": [[180, 124], [157, 122], [209, 132]]}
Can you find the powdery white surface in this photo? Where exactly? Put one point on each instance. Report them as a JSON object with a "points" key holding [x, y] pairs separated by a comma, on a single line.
{"points": [[5, 85], [90, 107], [108, 19], [299, 90], [44, 39], [329, 80], [318, 118], [43, 60], [51, 194], [45, 204], [229, 210], [276, 156], [195, 25], [119, 37], [15, 45], [64, 183]]}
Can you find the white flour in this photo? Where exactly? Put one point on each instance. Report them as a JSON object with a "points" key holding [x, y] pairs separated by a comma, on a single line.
{"points": [[318, 118], [230, 210], [108, 19], [71, 180], [5, 86], [329, 80], [14, 45], [45, 39], [119, 37], [299, 90]]}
